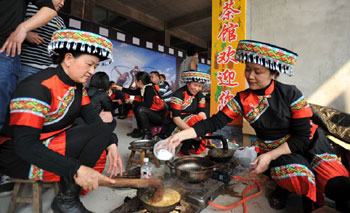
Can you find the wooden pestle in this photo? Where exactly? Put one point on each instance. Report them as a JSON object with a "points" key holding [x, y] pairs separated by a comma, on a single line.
{"points": [[132, 183], [138, 183]]}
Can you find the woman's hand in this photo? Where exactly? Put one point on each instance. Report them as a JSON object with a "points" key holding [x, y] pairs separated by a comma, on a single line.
{"points": [[203, 115], [117, 87], [261, 163], [89, 179], [110, 92], [173, 142], [115, 166], [34, 38], [106, 116]]}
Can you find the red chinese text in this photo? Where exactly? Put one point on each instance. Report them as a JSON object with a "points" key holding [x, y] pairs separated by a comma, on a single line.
{"points": [[224, 98], [228, 12], [226, 56], [228, 32], [227, 78]]}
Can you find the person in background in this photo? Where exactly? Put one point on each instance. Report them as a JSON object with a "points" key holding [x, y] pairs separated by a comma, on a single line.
{"points": [[98, 92], [13, 31], [118, 101], [34, 56], [292, 150], [155, 79], [189, 63], [151, 109], [162, 88], [187, 107], [44, 142], [101, 102], [132, 102], [162, 79]]}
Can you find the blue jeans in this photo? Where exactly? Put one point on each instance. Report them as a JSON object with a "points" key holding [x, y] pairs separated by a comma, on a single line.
{"points": [[9, 68], [27, 71]]}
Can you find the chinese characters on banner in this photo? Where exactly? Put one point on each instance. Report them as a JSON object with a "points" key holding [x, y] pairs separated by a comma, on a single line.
{"points": [[227, 75]]}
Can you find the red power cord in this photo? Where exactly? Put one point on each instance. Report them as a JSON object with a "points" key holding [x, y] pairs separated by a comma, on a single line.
{"points": [[255, 185]]}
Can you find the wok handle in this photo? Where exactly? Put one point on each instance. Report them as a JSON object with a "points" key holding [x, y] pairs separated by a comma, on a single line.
{"points": [[170, 164], [218, 137]]}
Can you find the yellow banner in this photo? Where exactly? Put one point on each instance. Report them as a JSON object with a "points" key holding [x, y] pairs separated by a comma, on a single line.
{"points": [[227, 75]]}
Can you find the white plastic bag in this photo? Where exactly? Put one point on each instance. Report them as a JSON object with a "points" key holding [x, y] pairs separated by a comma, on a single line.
{"points": [[245, 155]]}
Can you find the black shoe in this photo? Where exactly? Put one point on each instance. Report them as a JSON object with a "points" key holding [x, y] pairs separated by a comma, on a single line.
{"points": [[122, 117], [6, 185], [137, 134], [133, 132], [278, 198], [67, 200], [147, 135]]}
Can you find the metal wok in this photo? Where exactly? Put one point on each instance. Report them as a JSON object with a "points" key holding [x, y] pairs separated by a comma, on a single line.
{"points": [[217, 154], [142, 144], [144, 196], [192, 169]]}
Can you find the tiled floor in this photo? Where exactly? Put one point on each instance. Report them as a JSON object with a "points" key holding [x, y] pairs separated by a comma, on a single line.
{"points": [[105, 199]]}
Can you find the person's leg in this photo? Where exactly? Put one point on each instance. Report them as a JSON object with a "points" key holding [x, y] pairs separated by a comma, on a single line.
{"points": [[146, 117], [26, 71], [85, 143], [138, 131], [332, 177], [291, 173], [11, 166], [338, 189], [9, 67]]}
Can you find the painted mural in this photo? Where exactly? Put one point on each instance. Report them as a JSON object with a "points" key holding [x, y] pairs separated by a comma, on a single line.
{"points": [[129, 59]]}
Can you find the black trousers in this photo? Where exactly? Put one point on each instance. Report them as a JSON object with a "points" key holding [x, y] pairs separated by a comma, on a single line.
{"points": [[148, 118], [83, 142]]}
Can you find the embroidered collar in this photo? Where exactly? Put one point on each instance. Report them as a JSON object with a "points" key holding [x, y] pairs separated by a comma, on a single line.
{"points": [[64, 77], [267, 91]]}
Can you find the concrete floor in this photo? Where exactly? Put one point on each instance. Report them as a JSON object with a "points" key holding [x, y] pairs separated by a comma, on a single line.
{"points": [[104, 199]]}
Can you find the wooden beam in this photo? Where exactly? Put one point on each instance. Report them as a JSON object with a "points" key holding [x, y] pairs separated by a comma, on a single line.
{"points": [[189, 18], [150, 21], [167, 38], [125, 22], [129, 12]]}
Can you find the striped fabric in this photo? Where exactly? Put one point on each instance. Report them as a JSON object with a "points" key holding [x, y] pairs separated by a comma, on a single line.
{"points": [[37, 55]]}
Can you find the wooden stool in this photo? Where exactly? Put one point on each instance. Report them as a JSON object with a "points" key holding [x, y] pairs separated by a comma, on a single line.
{"points": [[35, 199], [142, 152]]}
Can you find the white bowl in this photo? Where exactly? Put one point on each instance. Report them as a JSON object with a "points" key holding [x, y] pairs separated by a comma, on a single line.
{"points": [[161, 152]]}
